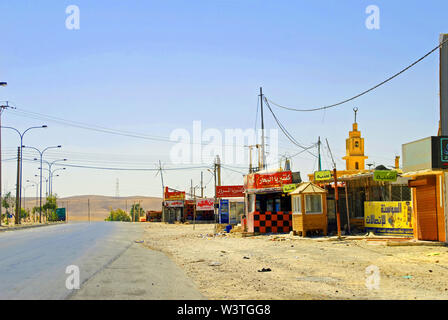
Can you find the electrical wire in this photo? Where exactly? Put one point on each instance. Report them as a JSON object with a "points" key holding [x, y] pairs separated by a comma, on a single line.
{"points": [[68, 164], [286, 133], [76, 124], [364, 92]]}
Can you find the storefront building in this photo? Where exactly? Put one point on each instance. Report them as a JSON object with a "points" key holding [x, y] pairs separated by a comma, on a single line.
{"points": [[231, 204], [425, 161], [173, 205], [268, 207]]}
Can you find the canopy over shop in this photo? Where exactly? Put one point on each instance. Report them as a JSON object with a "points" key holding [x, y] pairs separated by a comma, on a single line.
{"points": [[357, 189], [268, 205]]}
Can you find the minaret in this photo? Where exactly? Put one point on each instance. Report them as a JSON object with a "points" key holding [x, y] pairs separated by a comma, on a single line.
{"points": [[355, 159]]}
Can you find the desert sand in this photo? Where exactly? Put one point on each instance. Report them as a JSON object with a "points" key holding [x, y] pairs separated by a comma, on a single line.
{"points": [[227, 267]]}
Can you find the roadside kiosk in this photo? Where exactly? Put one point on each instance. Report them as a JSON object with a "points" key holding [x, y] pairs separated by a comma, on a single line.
{"points": [[309, 209]]}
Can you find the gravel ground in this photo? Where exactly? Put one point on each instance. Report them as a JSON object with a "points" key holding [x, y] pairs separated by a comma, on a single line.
{"points": [[227, 267]]}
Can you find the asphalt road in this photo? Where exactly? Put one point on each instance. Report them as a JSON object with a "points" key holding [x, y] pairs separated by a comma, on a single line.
{"points": [[33, 264]]}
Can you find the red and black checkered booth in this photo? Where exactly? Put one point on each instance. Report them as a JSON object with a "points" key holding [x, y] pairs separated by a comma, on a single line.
{"points": [[269, 222]]}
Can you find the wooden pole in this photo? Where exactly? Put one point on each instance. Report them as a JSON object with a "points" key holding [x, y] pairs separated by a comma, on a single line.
{"points": [[194, 212], [17, 217], [336, 198], [346, 202]]}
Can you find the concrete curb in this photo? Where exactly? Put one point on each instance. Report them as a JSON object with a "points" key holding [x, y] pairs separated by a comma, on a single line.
{"points": [[4, 229]]}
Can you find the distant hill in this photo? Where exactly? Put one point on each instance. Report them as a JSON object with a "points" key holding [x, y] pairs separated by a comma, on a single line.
{"points": [[77, 206]]}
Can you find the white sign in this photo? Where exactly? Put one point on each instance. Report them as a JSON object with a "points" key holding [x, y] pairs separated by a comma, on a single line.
{"points": [[205, 204], [174, 203]]}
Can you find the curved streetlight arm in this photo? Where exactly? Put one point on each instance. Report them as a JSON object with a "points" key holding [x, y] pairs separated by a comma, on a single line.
{"points": [[28, 147], [23, 133], [41, 127], [52, 147], [52, 173], [3, 127]]}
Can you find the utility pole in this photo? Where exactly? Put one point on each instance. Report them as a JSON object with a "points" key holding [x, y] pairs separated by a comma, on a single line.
{"points": [[320, 159], [17, 217], [215, 209], [202, 185], [218, 164], [163, 191], [194, 211], [2, 108], [250, 159], [262, 132], [336, 193]]}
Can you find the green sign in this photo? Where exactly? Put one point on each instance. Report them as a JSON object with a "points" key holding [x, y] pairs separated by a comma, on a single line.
{"points": [[385, 175], [444, 149], [289, 188], [322, 175], [61, 214]]}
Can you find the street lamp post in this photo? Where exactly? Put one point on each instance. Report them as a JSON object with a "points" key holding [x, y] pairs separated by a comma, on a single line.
{"points": [[35, 184], [50, 164], [49, 180], [19, 202], [41, 153], [24, 192], [52, 176]]}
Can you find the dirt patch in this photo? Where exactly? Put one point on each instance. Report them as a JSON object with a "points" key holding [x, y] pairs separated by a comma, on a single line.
{"points": [[231, 267]]}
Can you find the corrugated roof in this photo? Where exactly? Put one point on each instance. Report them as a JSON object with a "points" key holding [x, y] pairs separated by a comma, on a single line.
{"points": [[421, 173], [307, 187]]}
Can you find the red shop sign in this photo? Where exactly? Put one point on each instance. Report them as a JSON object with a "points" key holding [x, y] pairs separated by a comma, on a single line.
{"points": [[229, 191], [273, 180]]}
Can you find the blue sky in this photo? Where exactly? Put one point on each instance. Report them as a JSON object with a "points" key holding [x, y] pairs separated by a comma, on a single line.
{"points": [[151, 67]]}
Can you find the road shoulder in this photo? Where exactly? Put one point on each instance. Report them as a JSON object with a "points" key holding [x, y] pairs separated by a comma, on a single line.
{"points": [[139, 274]]}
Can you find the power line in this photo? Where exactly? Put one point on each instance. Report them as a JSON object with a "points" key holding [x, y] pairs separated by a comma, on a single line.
{"points": [[286, 133], [76, 124], [364, 92], [119, 168]]}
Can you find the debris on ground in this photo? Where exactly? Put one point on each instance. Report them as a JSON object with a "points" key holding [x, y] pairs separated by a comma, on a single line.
{"points": [[214, 264], [433, 254], [317, 279], [139, 241], [265, 270]]}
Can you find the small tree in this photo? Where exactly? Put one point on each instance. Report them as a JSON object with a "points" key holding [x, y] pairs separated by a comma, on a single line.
{"points": [[24, 214], [8, 202], [137, 211], [35, 211], [50, 207], [118, 215]]}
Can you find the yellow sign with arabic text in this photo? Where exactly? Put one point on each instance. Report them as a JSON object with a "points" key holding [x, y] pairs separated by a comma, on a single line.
{"points": [[389, 217]]}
